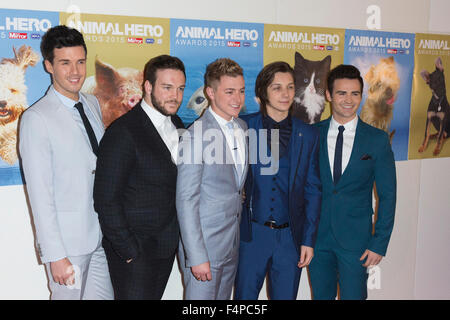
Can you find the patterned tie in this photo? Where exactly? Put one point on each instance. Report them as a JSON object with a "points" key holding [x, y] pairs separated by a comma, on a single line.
{"points": [[337, 168], [234, 147], [88, 127]]}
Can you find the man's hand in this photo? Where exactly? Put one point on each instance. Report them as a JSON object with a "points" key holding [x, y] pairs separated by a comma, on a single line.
{"points": [[202, 272], [306, 255], [62, 270], [372, 258]]}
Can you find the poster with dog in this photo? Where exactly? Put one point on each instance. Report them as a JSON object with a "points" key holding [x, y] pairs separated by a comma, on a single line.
{"points": [[22, 79], [386, 62], [199, 43], [312, 52], [430, 110], [118, 49]]}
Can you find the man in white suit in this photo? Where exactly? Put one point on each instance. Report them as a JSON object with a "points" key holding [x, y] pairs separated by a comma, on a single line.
{"points": [[211, 174], [59, 137]]}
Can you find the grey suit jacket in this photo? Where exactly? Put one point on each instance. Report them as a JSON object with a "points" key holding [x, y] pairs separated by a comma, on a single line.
{"points": [[59, 168], [209, 197]]}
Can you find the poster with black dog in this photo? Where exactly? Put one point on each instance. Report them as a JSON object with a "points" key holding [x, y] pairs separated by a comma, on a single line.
{"points": [[22, 79], [430, 110]]}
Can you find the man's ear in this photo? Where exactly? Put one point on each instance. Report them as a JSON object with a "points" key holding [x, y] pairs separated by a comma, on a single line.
{"points": [[327, 93], [48, 66], [210, 93], [148, 88]]}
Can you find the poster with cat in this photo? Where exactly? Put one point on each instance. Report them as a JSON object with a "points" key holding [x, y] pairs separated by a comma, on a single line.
{"points": [[198, 43], [312, 52], [22, 79], [430, 110], [386, 62]]}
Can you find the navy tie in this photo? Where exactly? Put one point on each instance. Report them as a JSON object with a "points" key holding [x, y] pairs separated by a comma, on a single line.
{"points": [[88, 127], [337, 168]]}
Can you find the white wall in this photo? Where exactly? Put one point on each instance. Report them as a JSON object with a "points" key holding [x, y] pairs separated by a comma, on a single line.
{"points": [[418, 258]]}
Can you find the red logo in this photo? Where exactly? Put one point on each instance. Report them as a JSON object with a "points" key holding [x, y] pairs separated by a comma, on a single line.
{"points": [[135, 40], [316, 47], [235, 44], [17, 35], [392, 51]]}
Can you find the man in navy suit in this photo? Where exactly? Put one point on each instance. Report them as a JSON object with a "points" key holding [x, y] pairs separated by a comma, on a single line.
{"points": [[353, 155], [282, 205]]}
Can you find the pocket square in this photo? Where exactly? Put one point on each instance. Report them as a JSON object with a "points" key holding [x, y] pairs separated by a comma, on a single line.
{"points": [[366, 157]]}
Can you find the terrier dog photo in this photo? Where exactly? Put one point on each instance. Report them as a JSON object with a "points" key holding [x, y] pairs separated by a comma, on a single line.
{"points": [[13, 98], [117, 90], [438, 112], [384, 83]]}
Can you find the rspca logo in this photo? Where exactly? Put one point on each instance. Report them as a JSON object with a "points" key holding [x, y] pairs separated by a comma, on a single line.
{"points": [[150, 40], [246, 44], [35, 36], [18, 35], [330, 48]]}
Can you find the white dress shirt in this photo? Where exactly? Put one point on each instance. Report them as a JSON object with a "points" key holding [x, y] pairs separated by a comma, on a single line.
{"points": [[240, 138], [349, 138], [166, 129]]}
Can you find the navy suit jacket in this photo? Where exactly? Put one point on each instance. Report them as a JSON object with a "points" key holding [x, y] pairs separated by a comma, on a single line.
{"points": [[304, 183], [347, 206]]}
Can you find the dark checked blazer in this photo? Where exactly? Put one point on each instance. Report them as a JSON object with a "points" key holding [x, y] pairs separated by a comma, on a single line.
{"points": [[134, 189]]}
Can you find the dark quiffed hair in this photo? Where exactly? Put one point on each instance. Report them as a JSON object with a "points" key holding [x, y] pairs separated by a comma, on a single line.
{"points": [[344, 71], [161, 62], [265, 78], [60, 37], [221, 67]]}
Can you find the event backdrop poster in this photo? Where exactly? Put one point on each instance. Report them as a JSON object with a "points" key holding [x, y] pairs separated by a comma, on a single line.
{"points": [[118, 49], [312, 52], [22, 79], [386, 62], [198, 43], [429, 97]]}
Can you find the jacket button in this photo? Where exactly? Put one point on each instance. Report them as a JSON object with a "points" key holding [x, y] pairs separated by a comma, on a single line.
{"points": [[93, 172]]}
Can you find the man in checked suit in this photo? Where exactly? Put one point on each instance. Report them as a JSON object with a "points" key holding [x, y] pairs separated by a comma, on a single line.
{"points": [[211, 174], [134, 191], [59, 137], [353, 155]]}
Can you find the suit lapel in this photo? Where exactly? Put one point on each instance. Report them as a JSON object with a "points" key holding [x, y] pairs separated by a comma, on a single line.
{"points": [[152, 133], [324, 150], [356, 151], [295, 147], [226, 151]]}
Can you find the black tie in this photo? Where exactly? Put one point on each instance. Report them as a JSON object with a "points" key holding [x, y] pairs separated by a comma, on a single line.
{"points": [[88, 127], [337, 168]]}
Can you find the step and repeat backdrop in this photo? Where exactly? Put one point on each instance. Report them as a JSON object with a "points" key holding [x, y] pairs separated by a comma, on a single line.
{"points": [[404, 73]]}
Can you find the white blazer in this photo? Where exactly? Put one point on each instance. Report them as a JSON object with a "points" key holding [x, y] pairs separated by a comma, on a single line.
{"points": [[59, 168]]}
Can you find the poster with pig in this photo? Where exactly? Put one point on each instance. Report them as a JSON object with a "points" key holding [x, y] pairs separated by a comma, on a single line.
{"points": [[312, 52], [386, 62], [430, 110], [22, 79], [198, 43], [118, 49]]}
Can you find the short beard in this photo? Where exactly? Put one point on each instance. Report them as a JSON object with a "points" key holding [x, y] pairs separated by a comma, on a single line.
{"points": [[158, 106]]}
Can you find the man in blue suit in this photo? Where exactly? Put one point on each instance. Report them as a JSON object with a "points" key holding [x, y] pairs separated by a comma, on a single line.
{"points": [[353, 156], [282, 205]]}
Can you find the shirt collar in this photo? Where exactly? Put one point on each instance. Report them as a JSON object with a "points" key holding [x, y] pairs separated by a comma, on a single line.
{"points": [[269, 123], [349, 126], [222, 122], [155, 116], [69, 103]]}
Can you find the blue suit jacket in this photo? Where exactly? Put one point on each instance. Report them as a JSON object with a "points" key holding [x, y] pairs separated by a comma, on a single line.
{"points": [[348, 205], [304, 183]]}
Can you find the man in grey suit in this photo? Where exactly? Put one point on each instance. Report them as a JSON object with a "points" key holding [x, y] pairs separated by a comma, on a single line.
{"points": [[58, 142], [211, 172]]}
